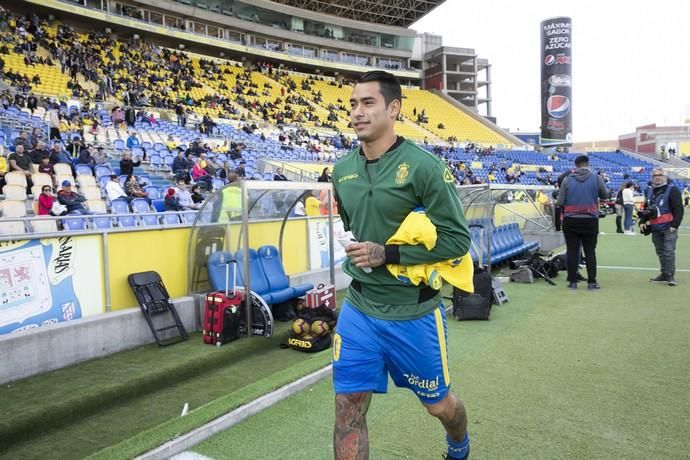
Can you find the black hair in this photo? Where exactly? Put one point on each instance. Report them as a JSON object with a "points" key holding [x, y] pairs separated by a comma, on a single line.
{"points": [[388, 84], [582, 160]]}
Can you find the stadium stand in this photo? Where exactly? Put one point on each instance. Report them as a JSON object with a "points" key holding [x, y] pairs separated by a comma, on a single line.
{"points": [[230, 118]]}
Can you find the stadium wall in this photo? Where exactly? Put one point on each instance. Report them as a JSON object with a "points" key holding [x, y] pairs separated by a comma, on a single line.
{"points": [[58, 279], [165, 251]]}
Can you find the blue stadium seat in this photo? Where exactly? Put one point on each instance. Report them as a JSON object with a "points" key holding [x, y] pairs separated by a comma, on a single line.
{"points": [[156, 160], [141, 206], [102, 221], [275, 273], [153, 191], [119, 144], [171, 218], [259, 282], [74, 224], [121, 207], [218, 184], [189, 217], [216, 270], [83, 169], [158, 204], [103, 170]]}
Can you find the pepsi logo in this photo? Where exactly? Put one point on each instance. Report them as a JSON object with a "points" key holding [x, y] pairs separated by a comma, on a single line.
{"points": [[550, 59], [558, 106]]}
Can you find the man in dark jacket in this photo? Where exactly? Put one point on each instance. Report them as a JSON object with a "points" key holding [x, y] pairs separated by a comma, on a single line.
{"points": [[180, 167], [127, 165], [579, 198], [72, 199], [667, 201]]}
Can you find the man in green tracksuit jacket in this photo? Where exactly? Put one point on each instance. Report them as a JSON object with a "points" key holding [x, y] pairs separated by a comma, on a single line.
{"points": [[387, 327]]}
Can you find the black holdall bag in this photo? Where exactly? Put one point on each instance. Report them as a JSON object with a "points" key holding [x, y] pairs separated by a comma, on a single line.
{"points": [[303, 334], [477, 305]]}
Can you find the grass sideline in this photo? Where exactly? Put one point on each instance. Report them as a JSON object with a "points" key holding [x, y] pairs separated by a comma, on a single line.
{"points": [[555, 374], [44, 411], [160, 434], [103, 402], [136, 423]]}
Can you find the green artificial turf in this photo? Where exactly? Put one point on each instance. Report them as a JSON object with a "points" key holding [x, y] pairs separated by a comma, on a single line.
{"points": [[554, 374], [79, 410]]}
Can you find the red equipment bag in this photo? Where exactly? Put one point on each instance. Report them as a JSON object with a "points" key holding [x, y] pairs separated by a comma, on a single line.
{"points": [[322, 295], [222, 311]]}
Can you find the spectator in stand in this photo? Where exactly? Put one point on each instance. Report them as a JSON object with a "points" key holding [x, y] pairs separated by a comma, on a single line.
{"points": [[181, 166], [127, 165], [118, 117], [184, 198], [171, 203], [180, 111], [325, 175], [200, 175], [240, 170], [197, 197], [4, 167], [23, 139], [20, 161], [71, 199], [58, 155], [208, 125], [170, 143], [54, 122], [279, 175], [134, 189], [86, 157], [31, 103], [101, 157], [38, 153], [75, 147], [46, 166], [114, 190], [45, 202], [133, 141]]}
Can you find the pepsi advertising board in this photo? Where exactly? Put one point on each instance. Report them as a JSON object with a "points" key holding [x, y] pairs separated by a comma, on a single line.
{"points": [[556, 81]]}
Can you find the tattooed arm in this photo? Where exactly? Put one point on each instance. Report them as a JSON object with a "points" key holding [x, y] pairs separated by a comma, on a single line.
{"points": [[367, 254]]}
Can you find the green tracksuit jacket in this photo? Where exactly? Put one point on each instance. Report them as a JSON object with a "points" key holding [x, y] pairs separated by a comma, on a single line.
{"points": [[374, 197]]}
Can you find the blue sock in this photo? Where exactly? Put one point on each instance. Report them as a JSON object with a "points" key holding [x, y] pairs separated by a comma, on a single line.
{"points": [[458, 450]]}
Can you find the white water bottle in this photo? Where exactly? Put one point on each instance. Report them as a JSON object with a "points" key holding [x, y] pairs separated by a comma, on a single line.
{"points": [[347, 238]]}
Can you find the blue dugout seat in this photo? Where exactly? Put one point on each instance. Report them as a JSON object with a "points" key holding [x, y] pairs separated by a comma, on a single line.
{"points": [[275, 273]]}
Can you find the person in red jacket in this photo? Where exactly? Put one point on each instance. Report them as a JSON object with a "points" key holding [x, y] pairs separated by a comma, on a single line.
{"points": [[45, 202]]}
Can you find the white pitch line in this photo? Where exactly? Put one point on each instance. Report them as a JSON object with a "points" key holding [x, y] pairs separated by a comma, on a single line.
{"points": [[190, 456], [188, 440], [614, 267]]}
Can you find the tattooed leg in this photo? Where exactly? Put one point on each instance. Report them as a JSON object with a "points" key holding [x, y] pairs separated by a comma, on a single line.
{"points": [[451, 412], [350, 436]]}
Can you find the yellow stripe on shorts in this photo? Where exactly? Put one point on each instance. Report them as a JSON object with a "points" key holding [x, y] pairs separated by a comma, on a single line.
{"points": [[442, 345]]}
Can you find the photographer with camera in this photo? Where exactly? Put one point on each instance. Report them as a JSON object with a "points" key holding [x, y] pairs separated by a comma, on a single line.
{"points": [[661, 217], [579, 198]]}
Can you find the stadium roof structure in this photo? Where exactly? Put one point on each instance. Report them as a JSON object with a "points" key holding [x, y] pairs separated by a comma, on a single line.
{"points": [[401, 13]]}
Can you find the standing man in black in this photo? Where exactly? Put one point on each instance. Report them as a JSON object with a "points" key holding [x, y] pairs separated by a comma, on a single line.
{"points": [[579, 198], [667, 200]]}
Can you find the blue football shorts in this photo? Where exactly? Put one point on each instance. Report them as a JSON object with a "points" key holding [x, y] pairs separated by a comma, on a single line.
{"points": [[413, 352]]}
